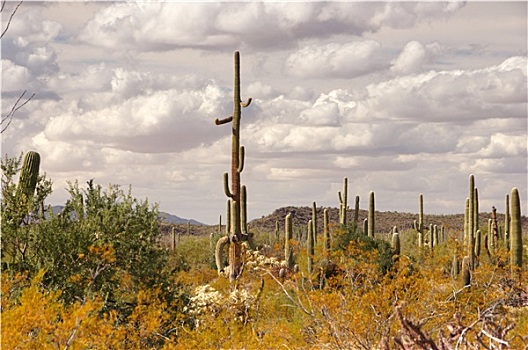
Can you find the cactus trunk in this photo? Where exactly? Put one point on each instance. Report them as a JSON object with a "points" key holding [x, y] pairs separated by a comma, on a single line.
{"points": [[371, 215], [343, 203], [311, 247], [516, 246], [288, 235]]}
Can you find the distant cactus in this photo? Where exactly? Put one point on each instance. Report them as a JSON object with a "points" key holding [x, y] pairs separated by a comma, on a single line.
{"points": [[431, 240], [419, 226], [326, 233], [371, 223], [466, 271], [507, 222], [277, 232], [314, 220], [173, 245], [288, 235], [455, 267], [310, 247], [343, 203], [472, 210], [356, 211], [396, 249], [516, 245]]}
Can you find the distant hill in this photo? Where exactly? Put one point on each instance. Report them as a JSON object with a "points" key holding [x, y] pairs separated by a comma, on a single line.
{"points": [[300, 215], [173, 219], [165, 217], [385, 221]]}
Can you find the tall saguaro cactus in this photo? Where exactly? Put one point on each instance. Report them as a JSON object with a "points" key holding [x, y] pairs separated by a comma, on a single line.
{"points": [[419, 226], [507, 222], [516, 246], [311, 247], [371, 215], [288, 235], [472, 222], [343, 202], [236, 235]]}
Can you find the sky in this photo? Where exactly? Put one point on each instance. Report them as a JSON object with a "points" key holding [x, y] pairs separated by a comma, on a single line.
{"points": [[402, 98]]}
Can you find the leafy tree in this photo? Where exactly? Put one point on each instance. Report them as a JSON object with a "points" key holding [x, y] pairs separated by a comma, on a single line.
{"points": [[103, 242]]}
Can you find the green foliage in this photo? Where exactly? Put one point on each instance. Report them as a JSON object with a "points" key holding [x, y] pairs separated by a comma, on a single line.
{"points": [[349, 233], [20, 209], [103, 242]]}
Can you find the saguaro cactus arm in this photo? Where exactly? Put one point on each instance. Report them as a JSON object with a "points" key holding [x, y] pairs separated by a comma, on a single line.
{"points": [[226, 186], [219, 253], [224, 121], [247, 103]]}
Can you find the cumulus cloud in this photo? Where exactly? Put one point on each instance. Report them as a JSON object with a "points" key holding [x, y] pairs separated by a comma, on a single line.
{"points": [[163, 26], [157, 121], [335, 60], [414, 57], [455, 95]]}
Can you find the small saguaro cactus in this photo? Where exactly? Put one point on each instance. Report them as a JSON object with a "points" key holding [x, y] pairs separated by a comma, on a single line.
{"points": [[236, 235], [396, 241], [431, 237], [466, 271], [277, 232], [310, 247], [27, 184], [356, 211], [371, 215], [455, 268], [472, 223], [29, 175], [314, 220], [419, 226], [516, 245], [288, 235], [343, 202], [173, 245], [507, 222], [326, 233]]}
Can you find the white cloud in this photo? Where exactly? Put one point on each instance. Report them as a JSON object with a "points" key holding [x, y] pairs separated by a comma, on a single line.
{"points": [[14, 77], [414, 57], [162, 26], [452, 95], [502, 145], [335, 60]]}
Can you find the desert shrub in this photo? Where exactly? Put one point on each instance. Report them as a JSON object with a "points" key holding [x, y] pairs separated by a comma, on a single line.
{"points": [[349, 234], [103, 242]]}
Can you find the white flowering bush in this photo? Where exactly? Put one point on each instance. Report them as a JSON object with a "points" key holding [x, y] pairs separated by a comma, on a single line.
{"points": [[206, 301], [255, 260]]}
